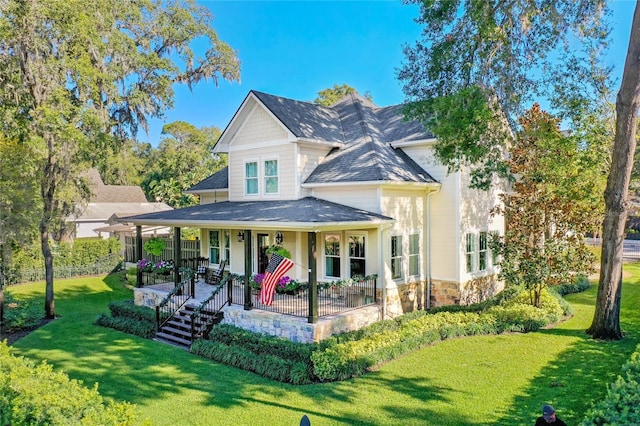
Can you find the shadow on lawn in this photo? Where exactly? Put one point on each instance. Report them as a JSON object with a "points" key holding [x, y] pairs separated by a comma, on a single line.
{"points": [[587, 365]]}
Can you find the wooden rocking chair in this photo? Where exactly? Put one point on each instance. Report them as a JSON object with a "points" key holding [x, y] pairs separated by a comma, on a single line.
{"points": [[214, 277]]}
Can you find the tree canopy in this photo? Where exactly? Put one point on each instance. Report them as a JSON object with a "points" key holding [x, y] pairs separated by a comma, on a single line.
{"points": [[331, 95], [79, 76]]}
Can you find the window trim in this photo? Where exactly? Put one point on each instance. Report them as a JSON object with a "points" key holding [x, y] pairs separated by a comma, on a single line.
{"points": [[398, 256], [223, 247], [256, 178], [362, 235], [324, 254], [276, 176], [470, 255], [415, 255]]}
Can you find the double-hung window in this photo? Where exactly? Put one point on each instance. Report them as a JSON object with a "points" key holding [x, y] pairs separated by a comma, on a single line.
{"points": [[471, 252], [219, 246], [356, 255], [251, 178], [271, 177], [482, 252], [494, 235], [396, 257], [414, 254], [332, 255]]}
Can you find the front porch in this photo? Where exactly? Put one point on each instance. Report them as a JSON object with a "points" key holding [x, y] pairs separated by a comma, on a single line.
{"points": [[349, 308]]}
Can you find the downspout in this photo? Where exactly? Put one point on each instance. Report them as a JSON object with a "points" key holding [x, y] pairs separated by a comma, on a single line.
{"points": [[428, 238], [382, 258]]}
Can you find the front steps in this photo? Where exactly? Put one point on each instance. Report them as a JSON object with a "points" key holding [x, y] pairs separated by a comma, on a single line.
{"points": [[177, 331]]}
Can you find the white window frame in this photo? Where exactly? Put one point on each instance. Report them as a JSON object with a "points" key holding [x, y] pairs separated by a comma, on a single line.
{"points": [[223, 248], [363, 258], [252, 178], [265, 177], [495, 258], [483, 252], [470, 252], [396, 258], [414, 256], [332, 256]]}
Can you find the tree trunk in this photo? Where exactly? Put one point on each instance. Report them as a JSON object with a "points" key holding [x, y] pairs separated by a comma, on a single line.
{"points": [[606, 320], [48, 189]]}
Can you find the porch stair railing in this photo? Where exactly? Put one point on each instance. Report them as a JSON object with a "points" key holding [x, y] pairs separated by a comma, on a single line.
{"points": [[169, 308], [209, 312]]}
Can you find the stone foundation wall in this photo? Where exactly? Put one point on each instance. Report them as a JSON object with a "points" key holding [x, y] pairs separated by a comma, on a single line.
{"points": [[298, 329], [405, 298], [480, 289], [444, 293], [150, 297]]}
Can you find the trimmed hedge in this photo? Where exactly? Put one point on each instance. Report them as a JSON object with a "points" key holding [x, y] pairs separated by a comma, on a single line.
{"points": [[33, 394], [130, 318], [21, 314], [621, 406]]}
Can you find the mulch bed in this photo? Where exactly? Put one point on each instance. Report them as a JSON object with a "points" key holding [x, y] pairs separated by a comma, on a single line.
{"points": [[19, 334]]}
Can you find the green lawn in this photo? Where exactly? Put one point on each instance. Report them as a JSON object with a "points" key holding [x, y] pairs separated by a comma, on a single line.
{"points": [[502, 380]]}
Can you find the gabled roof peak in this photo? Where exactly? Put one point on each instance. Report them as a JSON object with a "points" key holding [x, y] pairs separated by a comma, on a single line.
{"points": [[354, 97]]}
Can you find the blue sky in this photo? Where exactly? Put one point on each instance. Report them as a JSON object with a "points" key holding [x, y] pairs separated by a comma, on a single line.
{"points": [[297, 48]]}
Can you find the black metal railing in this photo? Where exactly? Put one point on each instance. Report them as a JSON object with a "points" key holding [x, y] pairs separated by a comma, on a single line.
{"points": [[204, 316], [332, 299], [175, 300]]}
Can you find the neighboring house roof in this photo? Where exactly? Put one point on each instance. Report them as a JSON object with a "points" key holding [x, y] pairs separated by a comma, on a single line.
{"points": [[304, 213], [101, 193], [103, 211], [218, 180]]}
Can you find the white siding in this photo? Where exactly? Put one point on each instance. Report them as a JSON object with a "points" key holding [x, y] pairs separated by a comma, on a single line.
{"points": [[408, 209], [308, 159], [217, 197], [365, 198], [258, 128], [446, 238]]}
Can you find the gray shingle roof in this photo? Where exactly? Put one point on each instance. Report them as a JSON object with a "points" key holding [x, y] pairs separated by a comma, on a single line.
{"points": [[218, 180], [304, 211]]}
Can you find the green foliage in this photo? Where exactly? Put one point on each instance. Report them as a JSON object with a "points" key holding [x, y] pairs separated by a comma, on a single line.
{"points": [[130, 318], [274, 249], [154, 246], [21, 314], [34, 394], [256, 354], [551, 209], [621, 406], [331, 95]]}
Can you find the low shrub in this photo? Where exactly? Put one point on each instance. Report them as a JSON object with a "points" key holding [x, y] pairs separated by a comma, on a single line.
{"points": [[21, 314], [265, 364], [621, 405], [129, 318], [33, 394]]}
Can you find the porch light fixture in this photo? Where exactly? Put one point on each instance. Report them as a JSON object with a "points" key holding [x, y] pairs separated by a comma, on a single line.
{"points": [[279, 238], [240, 236]]}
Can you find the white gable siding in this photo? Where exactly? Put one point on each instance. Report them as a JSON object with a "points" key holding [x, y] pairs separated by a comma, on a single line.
{"points": [[259, 127], [284, 153]]}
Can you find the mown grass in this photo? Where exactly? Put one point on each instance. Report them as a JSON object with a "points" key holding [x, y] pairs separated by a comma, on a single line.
{"points": [[481, 380]]}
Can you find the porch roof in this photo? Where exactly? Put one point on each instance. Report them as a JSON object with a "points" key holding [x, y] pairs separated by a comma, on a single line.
{"points": [[305, 214]]}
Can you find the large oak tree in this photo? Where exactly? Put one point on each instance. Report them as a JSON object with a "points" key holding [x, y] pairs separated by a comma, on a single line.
{"points": [[480, 62], [77, 77]]}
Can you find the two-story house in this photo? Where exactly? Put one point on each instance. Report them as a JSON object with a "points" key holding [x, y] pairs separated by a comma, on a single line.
{"points": [[362, 185]]}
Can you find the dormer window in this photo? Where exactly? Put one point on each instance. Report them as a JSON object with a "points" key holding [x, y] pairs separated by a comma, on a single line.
{"points": [[251, 178]]}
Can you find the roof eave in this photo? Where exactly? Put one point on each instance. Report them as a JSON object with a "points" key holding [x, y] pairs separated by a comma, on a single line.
{"points": [[402, 144], [433, 185], [259, 226]]}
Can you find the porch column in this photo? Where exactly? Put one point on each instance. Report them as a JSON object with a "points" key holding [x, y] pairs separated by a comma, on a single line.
{"points": [[313, 281], [177, 254], [138, 255], [247, 270]]}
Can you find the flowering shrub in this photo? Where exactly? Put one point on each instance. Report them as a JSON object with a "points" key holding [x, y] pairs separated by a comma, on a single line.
{"points": [[145, 265], [283, 285], [163, 267]]}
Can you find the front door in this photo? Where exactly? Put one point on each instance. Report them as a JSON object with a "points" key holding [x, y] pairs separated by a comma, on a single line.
{"points": [[262, 246]]}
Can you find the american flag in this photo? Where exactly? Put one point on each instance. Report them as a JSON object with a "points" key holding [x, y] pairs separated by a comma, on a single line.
{"points": [[276, 269]]}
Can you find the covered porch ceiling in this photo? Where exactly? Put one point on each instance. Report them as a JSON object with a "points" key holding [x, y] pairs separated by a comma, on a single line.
{"points": [[306, 214]]}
